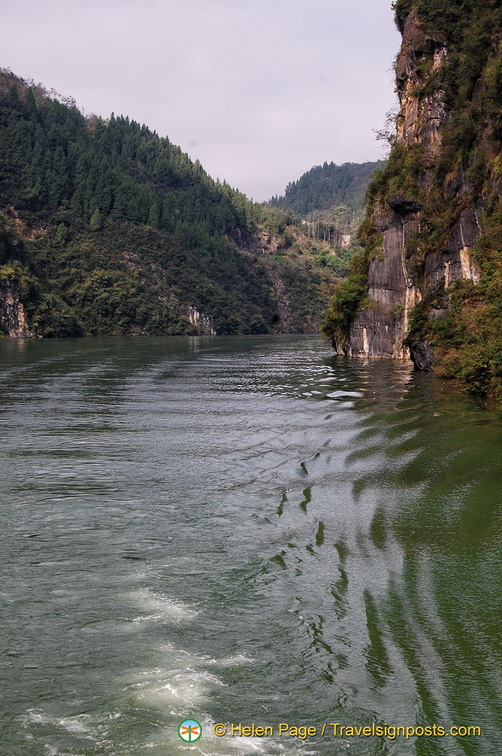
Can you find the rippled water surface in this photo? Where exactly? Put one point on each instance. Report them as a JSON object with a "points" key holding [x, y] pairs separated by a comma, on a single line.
{"points": [[243, 530]]}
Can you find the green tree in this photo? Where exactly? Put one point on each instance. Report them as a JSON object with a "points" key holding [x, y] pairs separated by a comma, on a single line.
{"points": [[96, 222]]}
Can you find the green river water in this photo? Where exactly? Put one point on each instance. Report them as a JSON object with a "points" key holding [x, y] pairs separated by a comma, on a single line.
{"points": [[244, 531]]}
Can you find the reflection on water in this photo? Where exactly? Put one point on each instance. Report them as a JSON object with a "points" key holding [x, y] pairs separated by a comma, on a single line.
{"points": [[243, 530]]}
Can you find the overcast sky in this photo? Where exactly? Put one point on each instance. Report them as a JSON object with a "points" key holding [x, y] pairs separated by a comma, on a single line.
{"points": [[259, 90]]}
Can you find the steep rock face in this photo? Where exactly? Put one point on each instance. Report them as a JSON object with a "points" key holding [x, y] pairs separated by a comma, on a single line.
{"points": [[426, 208], [420, 116], [380, 330], [12, 314], [203, 323]]}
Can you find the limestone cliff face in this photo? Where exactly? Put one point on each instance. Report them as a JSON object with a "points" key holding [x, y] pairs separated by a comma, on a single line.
{"points": [[380, 330], [12, 314], [203, 323], [426, 208]]}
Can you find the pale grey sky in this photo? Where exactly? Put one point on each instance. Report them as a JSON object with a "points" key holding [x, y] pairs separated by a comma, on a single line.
{"points": [[259, 90]]}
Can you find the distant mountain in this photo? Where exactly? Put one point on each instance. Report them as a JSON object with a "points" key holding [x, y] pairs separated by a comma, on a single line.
{"points": [[329, 200], [332, 192], [105, 227]]}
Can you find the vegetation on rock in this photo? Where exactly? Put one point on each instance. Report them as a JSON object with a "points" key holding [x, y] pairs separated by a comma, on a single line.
{"points": [[449, 77]]}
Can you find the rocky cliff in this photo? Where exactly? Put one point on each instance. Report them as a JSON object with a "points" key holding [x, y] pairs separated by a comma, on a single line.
{"points": [[432, 233], [13, 320]]}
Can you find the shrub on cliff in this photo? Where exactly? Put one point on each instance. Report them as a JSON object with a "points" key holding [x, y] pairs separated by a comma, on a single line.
{"points": [[349, 299]]}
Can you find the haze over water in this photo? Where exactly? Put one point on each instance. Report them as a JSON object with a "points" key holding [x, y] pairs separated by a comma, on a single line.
{"points": [[243, 530]]}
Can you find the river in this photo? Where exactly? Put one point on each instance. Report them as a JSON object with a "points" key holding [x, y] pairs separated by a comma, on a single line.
{"points": [[244, 531]]}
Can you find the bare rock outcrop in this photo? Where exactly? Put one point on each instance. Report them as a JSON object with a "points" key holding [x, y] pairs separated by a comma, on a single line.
{"points": [[13, 321], [427, 230]]}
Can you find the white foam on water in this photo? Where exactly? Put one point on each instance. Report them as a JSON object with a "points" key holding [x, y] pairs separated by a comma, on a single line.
{"points": [[158, 607], [340, 394], [182, 684], [179, 682], [82, 726], [239, 660], [178, 689], [78, 724]]}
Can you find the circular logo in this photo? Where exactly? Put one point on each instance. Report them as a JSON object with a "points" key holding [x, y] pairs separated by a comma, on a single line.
{"points": [[190, 730]]}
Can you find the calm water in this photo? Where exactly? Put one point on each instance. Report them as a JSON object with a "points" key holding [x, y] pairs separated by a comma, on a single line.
{"points": [[243, 530]]}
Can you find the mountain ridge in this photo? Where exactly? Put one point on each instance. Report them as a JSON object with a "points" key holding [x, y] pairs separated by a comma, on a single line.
{"points": [[105, 227], [328, 187]]}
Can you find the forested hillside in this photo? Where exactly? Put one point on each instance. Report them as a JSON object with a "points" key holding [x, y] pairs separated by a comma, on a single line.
{"points": [[105, 227], [330, 201], [333, 192]]}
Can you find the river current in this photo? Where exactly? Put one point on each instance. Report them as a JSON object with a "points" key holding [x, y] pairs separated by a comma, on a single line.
{"points": [[244, 531]]}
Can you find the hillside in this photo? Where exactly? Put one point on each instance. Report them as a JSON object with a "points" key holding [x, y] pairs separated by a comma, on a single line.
{"points": [[105, 227], [339, 189], [428, 284], [330, 202]]}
